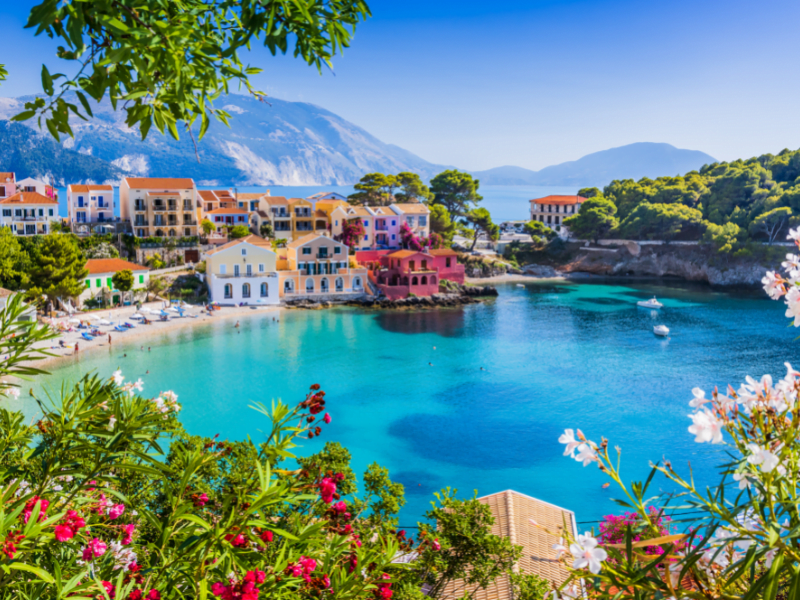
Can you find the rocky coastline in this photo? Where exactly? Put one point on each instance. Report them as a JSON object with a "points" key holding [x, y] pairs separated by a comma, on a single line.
{"points": [[455, 296]]}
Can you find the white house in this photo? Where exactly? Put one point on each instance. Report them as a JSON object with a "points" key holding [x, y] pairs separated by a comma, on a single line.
{"points": [[90, 203], [28, 213], [243, 271], [35, 185], [101, 272]]}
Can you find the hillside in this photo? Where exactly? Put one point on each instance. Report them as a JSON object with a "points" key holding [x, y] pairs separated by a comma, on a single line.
{"points": [[31, 154], [633, 161], [275, 143]]}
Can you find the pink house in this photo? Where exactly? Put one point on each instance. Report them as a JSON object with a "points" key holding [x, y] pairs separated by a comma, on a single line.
{"points": [[405, 272], [445, 261]]}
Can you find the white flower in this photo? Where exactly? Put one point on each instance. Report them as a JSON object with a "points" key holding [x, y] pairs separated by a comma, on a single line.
{"points": [[770, 556], [794, 234], [560, 548], [170, 396], [586, 454], [11, 392], [743, 479], [763, 457], [118, 378], [706, 427], [139, 385], [568, 438], [111, 422], [793, 304], [773, 285], [57, 488], [699, 398], [587, 554]]}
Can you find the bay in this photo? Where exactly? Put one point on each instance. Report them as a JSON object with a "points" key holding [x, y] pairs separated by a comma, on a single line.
{"points": [[475, 398]]}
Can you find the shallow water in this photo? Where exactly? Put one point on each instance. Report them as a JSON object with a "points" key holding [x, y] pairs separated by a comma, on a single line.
{"points": [[555, 355]]}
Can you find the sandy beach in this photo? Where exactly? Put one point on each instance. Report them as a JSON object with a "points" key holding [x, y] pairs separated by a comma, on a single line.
{"points": [[510, 278], [140, 331]]}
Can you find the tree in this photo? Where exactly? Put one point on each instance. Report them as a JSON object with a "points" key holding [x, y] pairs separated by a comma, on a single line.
{"points": [[266, 230], [208, 227], [725, 238], [456, 191], [481, 221], [58, 269], [155, 262], [14, 261], [101, 250], [441, 222], [171, 60], [411, 188], [771, 222], [374, 189], [663, 222], [238, 231], [594, 219], [592, 192], [537, 228], [155, 285], [123, 281]]}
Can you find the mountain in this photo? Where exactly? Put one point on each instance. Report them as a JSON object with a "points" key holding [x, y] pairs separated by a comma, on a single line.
{"points": [[268, 143], [634, 161], [30, 154]]}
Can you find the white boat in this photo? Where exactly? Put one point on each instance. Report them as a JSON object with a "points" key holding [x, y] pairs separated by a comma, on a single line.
{"points": [[520, 285], [662, 330], [652, 303]]}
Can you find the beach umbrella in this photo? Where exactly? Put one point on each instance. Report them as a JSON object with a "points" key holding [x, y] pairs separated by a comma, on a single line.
{"points": [[92, 317], [75, 321], [136, 316], [105, 322]]}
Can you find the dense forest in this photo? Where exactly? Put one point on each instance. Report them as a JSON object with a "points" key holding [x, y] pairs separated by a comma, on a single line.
{"points": [[727, 204]]}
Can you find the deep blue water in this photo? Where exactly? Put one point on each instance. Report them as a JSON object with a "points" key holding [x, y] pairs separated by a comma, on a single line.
{"points": [[505, 202], [555, 355]]}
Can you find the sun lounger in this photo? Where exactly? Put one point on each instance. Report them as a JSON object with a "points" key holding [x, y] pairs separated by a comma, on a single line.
{"points": [[120, 328], [87, 337]]}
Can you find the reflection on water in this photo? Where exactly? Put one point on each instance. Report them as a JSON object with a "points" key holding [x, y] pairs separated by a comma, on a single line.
{"points": [[446, 322]]}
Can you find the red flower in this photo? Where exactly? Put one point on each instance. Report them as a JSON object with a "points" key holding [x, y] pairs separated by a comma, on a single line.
{"points": [[135, 595], [327, 488], [266, 536], [28, 510], [327, 418], [237, 541], [153, 595], [201, 500], [64, 533], [109, 588]]}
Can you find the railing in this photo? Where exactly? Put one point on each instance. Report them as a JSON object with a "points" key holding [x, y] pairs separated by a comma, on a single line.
{"points": [[187, 206], [159, 208], [381, 228], [140, 208], [172, 207], [142, 223], [234, 275]]}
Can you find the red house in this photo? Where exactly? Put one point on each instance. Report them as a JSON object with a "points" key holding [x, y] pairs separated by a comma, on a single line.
{"points": [[405, 272]]}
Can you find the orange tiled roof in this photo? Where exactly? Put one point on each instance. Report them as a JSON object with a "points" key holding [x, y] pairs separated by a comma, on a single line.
{"points": [[158, 183], [355, 211], [443, 252], [412, 208], [303, 240], [28, 198], [207, 195], [250, 239], [320, 214], [251, 196], [227, 211], [298, 201], [512, 511], [90, 188], [96, 266], [276, 200], [560, 200], [403, 253], [160, 194], [4, 176]]}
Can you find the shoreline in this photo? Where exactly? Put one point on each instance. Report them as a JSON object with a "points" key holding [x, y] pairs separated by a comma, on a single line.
{"points": [[141, 331]]}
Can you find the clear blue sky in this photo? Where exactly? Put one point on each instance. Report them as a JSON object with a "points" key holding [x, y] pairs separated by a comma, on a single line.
{"points": [[480, 84]]}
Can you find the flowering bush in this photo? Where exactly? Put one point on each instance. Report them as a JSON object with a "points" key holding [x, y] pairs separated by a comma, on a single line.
{"points": [[745, 540], [352, 232], [409, 240]]}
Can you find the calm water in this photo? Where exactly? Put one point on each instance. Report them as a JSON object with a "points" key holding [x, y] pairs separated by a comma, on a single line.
{"points": [[505, 202], [555, 356]]}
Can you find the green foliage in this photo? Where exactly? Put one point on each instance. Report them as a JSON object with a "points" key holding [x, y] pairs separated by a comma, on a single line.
{"points": [[529, 586], [14, 261], [411, 188], [468, 550], [539, 229], [595, 219], [771, 223], [724, 238], [200, 267], [456, 191], [374, 189], [168, 61], [207, 226], [441, 223], [481, 221], [592, 192], [3, 73], [266, 230], [101, 250], [58, 268], [123, 280], [663, 222], [238, 231], [155, 261]]}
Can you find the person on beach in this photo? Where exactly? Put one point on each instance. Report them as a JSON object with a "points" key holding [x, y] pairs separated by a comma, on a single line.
{"points": [[76, 347], [237, 324], [109, 339]]}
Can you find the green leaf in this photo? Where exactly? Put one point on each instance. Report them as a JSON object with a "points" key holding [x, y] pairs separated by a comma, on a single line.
{"points": [[196, 520], [84, 102], [41, 573], [47, 81]]}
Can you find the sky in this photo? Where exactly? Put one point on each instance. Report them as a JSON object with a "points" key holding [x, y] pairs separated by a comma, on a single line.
{"points": [[531, 83]]}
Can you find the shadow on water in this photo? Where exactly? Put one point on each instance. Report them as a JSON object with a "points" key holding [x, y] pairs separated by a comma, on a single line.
{"points": [[605, 301], [444, 322], [419, 483], [541, 288]]}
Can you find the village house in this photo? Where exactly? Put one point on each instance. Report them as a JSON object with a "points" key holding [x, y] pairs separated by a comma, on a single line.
{"points": [[317, 264], [29, 213], [99, 282], [399, 273], [243, 271], [415, 215], [213, 199], [8, 185], [302, 213], [159, 207], [90, 203], [512, 514], [341, 214], [251, 202], [222, 218], [335, 196], [328, 205], [552, 210], [275, 211], [30, 184]]}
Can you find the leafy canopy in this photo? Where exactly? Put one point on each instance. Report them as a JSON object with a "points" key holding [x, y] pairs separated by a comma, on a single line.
{"points": [[58, 269], [595, 219], [456, 191], [481, 222], [238, 231], [168, 61], [411, 188], [374, 189], [663, 222], [123, 280]]}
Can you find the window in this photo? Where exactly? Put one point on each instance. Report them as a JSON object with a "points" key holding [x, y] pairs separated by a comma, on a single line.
{"points": [[246, 290], [366, 223], [366, 237], [244, 251], [337, 222], [264, 290], [108, 283], [141, 278], [306, 250], [394, 236], [394, 223], [6, 212], [410, 221], [423, 221], [222, 269], [88, 284], [17, 213], [228, 290], [41, 212], [187, 232], [447, 262], [249, 270], [98, 283], [236, 270], [337, 249], [50, 212]]}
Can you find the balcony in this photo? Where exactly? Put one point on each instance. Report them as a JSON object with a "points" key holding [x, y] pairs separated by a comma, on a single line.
{"points": [[141, 223], [189, 222], [245, 275], [187, 206], [159, 208], [138, 207], [172, 207]]}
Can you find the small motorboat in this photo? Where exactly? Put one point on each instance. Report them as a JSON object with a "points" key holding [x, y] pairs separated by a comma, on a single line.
{"points": [[661, 330], [652, 303], [520, 285]]}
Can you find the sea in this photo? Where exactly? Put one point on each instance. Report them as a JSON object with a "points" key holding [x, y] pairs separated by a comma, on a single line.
{"points": [[475, 398], [504, 202]]}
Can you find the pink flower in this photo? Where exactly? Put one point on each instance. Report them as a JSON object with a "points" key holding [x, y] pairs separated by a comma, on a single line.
{"points": [[436, 545], [266, 536], [153, 595], [94, 548], [64, 533], [340, 507], [327, 488], [116, 511], [109, 587], [129, 529], [218, 589], [200, 501], [28, 510], [327, 418]]}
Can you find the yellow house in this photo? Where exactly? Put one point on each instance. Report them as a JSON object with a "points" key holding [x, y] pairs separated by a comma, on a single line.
{"points": [[243, 271], [302, 213], [317, 264]]}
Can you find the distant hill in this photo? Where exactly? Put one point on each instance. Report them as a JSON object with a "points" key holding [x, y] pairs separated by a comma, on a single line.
{"points": [[30, 154], [634, 161], [274, 143]]}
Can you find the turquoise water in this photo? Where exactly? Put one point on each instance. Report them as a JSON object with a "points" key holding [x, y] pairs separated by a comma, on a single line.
{"points": [[555, 355]]}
